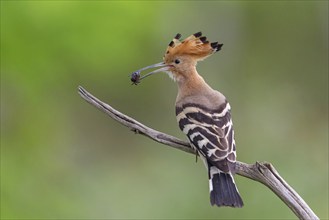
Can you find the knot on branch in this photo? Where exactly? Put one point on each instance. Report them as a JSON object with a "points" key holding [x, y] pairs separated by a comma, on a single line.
{"points": [[135, 131], [264, 167]]}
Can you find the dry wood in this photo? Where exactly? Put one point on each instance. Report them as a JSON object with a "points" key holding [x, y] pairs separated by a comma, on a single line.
{"points": [[262, 172]]}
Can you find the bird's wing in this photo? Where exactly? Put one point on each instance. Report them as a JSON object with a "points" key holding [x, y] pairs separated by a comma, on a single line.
{"points": [[210, 131]]}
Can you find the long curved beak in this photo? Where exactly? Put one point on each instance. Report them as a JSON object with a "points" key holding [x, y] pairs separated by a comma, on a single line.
{"points": [[162, 67]]}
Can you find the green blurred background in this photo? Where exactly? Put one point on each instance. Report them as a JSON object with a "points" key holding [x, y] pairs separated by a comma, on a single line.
{"points": [[62, 158]]}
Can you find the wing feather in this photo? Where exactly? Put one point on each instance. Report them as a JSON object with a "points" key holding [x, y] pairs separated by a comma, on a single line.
{"points": [[210, 132]]}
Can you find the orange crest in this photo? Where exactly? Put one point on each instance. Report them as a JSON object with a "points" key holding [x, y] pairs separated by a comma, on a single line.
{"points": [[196, 46]]}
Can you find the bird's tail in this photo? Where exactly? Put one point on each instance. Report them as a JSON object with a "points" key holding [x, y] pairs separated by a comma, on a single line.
{"points": [[223, 191]]}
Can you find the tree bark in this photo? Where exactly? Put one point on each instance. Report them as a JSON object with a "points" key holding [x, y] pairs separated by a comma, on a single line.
{"points": [[262, 172]]}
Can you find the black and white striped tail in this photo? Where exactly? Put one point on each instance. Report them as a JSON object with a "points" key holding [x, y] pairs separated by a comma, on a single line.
{"points": [[223, 191]]}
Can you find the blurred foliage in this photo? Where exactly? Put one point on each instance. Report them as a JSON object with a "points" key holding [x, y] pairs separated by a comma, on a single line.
{"points": [[62, 158]]}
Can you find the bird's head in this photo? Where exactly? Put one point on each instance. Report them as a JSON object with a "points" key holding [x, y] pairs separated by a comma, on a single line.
{"points": [[182, 56]]}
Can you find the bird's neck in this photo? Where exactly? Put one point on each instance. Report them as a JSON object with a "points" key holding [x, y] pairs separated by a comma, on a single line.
{"points": [[192, 85]]}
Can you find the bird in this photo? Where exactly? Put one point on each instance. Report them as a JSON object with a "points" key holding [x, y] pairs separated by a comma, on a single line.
{"points": [[202, 113]]}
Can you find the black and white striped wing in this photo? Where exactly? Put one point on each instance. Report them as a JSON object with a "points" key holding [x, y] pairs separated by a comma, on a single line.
{"points": [[210, 131]]}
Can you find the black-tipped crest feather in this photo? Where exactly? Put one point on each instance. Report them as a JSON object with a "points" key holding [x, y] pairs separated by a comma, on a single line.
{"points": [[219, 47], [178, 36], [198, 34], [214, 45], [203, 39]]}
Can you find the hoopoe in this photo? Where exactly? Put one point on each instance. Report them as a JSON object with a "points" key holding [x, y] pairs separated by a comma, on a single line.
{"points": [[202, 113]]}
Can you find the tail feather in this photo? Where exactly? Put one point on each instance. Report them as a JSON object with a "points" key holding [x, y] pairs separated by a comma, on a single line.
{"points": [[223, 191]]}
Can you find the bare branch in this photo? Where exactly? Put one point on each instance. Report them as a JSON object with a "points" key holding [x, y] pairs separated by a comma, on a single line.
{"points": [[262, 172]]}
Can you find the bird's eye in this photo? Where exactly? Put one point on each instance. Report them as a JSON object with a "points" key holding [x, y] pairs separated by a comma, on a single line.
{"points": [[177, 61]]}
